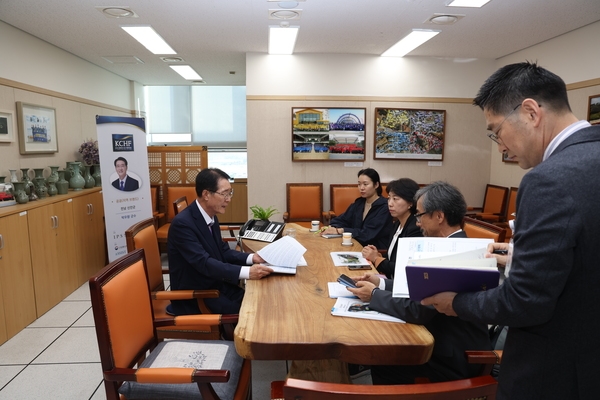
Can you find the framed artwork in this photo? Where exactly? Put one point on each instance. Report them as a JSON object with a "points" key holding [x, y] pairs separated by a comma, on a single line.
{"points": [[594, 110], [409, 134], [7, 126], [328, 134], [506, 159], [37, 129]]}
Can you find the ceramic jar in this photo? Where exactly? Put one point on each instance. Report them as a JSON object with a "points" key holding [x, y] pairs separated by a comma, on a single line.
{"points": [[76, 182], [62, 185], [19, 192]]}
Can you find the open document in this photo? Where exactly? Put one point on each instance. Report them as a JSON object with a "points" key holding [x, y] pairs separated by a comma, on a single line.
{"points": [[424, 247], [354, 308], [336, 290], [283, 255]]}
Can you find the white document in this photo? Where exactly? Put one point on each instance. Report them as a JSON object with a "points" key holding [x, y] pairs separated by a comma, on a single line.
{"points": [[278, 269], [338, 290], [285, 252], [413, 248], [346, 258], [354, 308]]}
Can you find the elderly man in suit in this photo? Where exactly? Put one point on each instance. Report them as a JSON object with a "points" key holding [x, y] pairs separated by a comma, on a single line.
{"points": [[551, 299], [439, 213], [198, 257]]}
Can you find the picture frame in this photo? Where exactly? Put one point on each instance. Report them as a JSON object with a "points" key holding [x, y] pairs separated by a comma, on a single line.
{"points": [[37, 129], [328, 134], [594, 110], [409, 134], [7, 126]]}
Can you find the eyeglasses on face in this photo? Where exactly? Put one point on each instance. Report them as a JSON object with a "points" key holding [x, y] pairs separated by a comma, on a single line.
{"points": [[225, 194], [419, 215], [494, 135]]}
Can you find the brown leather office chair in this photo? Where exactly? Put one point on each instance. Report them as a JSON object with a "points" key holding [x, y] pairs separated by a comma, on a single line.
{"points": [[126, 332], [304, 203], [494, 204], [142, 235], [179, 205], [340, 197], [511, 212], [173, 193], [475, 228], [158, 216]]}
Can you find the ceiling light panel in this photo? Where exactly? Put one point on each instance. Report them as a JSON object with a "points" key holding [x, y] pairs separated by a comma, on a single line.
{"points": [[186, 72], [149, 39], [410, 42], [282, 39], [468, 3]]}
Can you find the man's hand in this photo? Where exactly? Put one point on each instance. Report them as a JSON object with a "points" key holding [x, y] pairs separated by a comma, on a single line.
{"points": [[501, 259], [365, 288], [256, 259], [442, 302], [374, 279], [258, 271]]}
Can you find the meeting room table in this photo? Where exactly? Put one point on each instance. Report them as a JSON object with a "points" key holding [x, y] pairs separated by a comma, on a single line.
{"points": [[288, 317]]}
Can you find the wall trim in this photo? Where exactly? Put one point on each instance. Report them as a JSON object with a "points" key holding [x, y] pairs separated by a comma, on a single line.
{"points": [[35, 89], [583, 84], [362, 98]]}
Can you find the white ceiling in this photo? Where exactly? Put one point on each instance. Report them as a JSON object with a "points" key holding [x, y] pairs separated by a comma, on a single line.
{"points": [[213, 36]]}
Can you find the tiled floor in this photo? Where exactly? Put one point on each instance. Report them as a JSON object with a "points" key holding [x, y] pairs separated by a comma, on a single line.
{"points": [[56, 357]]}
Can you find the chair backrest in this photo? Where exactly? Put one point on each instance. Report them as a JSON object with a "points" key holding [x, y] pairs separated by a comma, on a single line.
{"points": [[304, 201], [143, 236], [341, 196], [122, 312], [475, 228], [481, 387], [511, 206], [174, 193], [494, 201], [154, 198], [179, 204]]}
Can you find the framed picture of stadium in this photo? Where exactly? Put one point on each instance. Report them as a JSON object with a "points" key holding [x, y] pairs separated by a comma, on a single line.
{"points": [[409, 134], [328, 134], [37, 129], [594, 110]]}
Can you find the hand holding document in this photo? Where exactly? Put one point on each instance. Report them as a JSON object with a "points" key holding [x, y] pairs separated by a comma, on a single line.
{"points": [[283, 255]]}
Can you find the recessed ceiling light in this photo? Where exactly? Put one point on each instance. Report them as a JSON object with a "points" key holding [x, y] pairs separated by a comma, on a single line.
{"points": [[117, 12], [172, 59], [186, 72], [285, 14], [410, 42], [149, 39], [199, 82], [468, 3], [282, 39], [444, 19]]}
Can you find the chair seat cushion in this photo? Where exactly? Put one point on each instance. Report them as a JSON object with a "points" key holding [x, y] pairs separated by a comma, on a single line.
{"points": [[198, 354]]}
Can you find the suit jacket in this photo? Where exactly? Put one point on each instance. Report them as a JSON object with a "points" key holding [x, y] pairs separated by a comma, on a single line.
{"points": [[410, 229], [199, 259], [551, 298], [374, 229], [452, 335], [130, 184]]}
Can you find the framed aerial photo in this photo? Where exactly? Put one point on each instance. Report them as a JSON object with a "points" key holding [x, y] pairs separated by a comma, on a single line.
{"points": [[328, 134], [37, 129], [594, 110], [409, 134], [7, 126]]}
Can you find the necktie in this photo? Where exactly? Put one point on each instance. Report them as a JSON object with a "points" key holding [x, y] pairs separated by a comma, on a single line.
{"points": [[122, 185], [210, 226]]}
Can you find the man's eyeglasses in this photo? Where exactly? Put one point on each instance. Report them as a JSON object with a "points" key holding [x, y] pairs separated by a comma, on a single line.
{"points": [[419, 215], [226, 194], [494, 135]]}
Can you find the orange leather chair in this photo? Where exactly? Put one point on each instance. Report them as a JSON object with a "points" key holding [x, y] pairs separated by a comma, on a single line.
{"points": [[136, 363], [174, 193], [511, 213], [494, 204], [304, 203], [340, 197], [475, 228]]}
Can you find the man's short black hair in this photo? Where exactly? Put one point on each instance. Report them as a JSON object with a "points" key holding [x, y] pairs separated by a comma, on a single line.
{"points": [[208, 179], [121, 159]]}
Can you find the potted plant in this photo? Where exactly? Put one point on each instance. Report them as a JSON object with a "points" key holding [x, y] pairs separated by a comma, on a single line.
{"points": [[262, 213]]}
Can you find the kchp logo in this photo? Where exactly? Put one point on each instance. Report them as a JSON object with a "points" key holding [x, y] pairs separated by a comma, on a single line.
{"points": [[122, 142]]}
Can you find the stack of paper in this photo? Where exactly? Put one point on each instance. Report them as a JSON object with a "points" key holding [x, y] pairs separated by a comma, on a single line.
{"points": [[283, 255], [338, 290]]}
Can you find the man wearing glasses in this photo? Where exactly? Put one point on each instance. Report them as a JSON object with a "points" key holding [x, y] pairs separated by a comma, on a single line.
{"points": [[551, 298], [198, 257]]}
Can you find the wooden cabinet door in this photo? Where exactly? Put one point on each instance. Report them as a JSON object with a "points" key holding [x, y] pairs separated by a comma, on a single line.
{"points": [[88, 214], [51, 238], [15, 273]]}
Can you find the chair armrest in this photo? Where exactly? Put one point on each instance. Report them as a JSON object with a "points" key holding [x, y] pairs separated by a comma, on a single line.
{"points": [[165, 270], [286, 216], [167, 375], [487, 359], [184, 294]]}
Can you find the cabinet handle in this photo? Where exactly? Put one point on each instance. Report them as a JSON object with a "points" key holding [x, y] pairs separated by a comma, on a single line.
{"points": [[1, 242], [53, 221], [88, 209], [92, 208], [56, 216]]}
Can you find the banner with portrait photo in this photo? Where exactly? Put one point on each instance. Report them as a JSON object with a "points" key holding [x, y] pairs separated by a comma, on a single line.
{"points": [[125, 178]]}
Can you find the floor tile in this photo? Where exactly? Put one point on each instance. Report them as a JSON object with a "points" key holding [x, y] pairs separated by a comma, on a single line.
{"points": [[55, 381], [81, 293], [63, 314], [100, 393], [7, 372], [86, 319], [74, 346], [263, 373], [27, 344]]}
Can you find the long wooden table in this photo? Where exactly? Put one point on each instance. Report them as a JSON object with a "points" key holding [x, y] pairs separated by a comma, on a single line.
{"points": [[288, 317]]}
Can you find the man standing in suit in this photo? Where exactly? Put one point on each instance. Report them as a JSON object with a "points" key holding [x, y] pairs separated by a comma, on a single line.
{"points": [[124, 182], [199, 258], [551, 298], [440, 211]]}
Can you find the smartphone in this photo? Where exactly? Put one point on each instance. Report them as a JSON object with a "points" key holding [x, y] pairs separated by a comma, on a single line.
{"points": [[346, 281], [359, 267]]}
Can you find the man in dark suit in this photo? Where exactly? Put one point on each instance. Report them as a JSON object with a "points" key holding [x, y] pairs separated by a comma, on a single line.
{"points": [[440, 210], [551, 298], [198, 256], [124, 182]]}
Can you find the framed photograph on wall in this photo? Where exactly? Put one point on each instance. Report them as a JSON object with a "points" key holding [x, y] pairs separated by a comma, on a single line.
{"points": [[7, 126], [594, 110], [328, 134], [409, 134], [37, 129]]}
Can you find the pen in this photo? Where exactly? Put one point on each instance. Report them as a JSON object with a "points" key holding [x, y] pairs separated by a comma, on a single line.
{"points": [[320, 230], [501, 252]]}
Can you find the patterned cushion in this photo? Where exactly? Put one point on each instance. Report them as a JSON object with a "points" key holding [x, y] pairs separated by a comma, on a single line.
{"points": [[199, 354]]}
